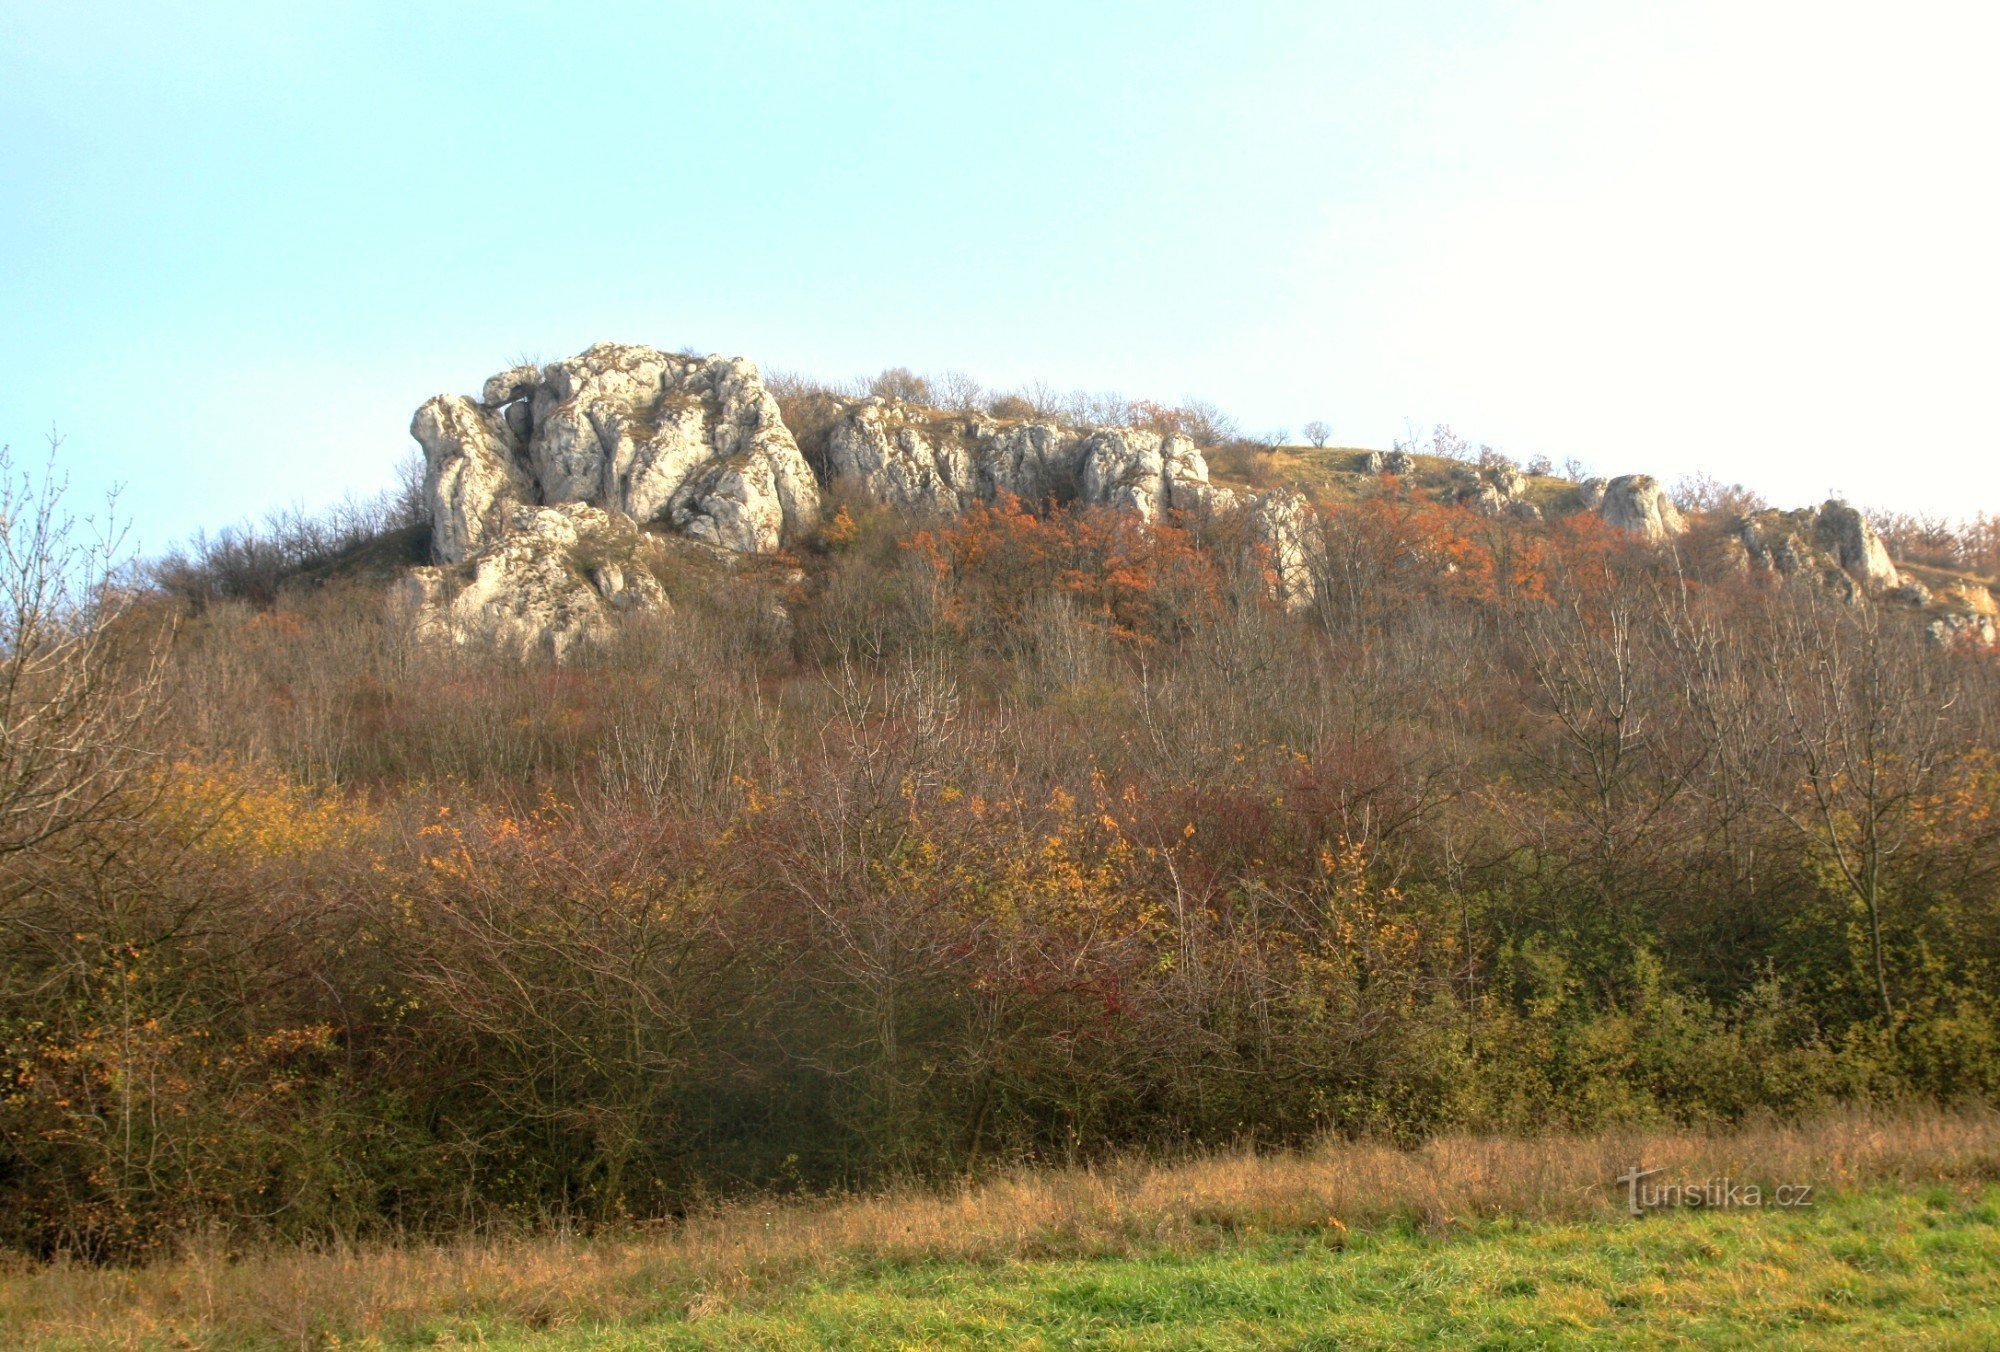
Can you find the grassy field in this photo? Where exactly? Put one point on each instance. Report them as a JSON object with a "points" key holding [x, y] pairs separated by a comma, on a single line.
{"points": [[1464, 1243]]}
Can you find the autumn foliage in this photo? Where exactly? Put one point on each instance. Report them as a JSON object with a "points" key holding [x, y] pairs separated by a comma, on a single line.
{"points": [[1039, 834]]}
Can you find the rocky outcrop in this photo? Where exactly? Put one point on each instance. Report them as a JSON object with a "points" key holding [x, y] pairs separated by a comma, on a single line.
{"points": [[474, 473], [1494, 490], [1285, 540], [1832, 543], [694, 444], [1146, 473], [1636, 504], [1851, 541], [1960, 630], [926, 462], [549, 584]]}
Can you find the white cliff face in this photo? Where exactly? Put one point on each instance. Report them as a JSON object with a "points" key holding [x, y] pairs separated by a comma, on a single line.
{"points": [[474, 473], [1146, 473], [887, 453], [695, 443], [928, 463], [1034, 461], [550, 584], [1636, 504]]}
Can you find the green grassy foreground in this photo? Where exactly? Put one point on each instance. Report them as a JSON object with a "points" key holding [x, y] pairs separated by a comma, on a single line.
{"points": [[1877, 1269], [1884, 1268], [1462, 1241]]}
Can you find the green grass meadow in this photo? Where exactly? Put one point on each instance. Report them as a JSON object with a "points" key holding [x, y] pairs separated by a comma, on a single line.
{"points": [[1878, 1269]]}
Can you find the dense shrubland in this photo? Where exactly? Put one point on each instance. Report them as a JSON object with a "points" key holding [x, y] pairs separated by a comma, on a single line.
{"points": [[1036, 835]]}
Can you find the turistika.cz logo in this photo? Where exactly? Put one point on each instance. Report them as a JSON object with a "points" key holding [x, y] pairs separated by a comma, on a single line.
{"points": [[1719, 1194]]}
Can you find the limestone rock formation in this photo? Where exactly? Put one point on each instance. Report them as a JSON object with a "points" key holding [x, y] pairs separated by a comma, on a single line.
{"points": [[693, 443], [474, 473], [1494, 490], [929, 462], [1846, 535], [1285, 535], [1147, 473], [547, 584], [926, 462], [1833, 543], [1636, 503]]}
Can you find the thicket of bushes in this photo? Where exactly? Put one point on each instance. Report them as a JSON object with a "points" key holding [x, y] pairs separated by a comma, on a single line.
{"points": [[1030, 836]]}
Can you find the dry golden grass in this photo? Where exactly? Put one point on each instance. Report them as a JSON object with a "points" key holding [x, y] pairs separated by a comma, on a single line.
{"points": [[337, 1297]]}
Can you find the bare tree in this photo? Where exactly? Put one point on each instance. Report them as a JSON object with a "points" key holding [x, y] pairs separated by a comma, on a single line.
{"points": [[1866, 710], [1317, 432], [72, 713]]}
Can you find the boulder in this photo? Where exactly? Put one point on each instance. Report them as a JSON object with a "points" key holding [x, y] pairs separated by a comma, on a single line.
{"points": [[693, 443], [548, 585], [1636, 504], [1399, 462]]}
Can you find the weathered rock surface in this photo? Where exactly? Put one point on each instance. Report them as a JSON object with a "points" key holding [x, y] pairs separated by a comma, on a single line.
{"points": [[1846, 534], [474, 473], [1636, 503], [926, 462], [1833, 543], [548, 584], [1146, 473], [693, 443], [1493, 490]]}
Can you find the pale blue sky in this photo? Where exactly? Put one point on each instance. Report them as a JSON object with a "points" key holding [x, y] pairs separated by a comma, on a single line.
{"points": [[240, 242]]}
